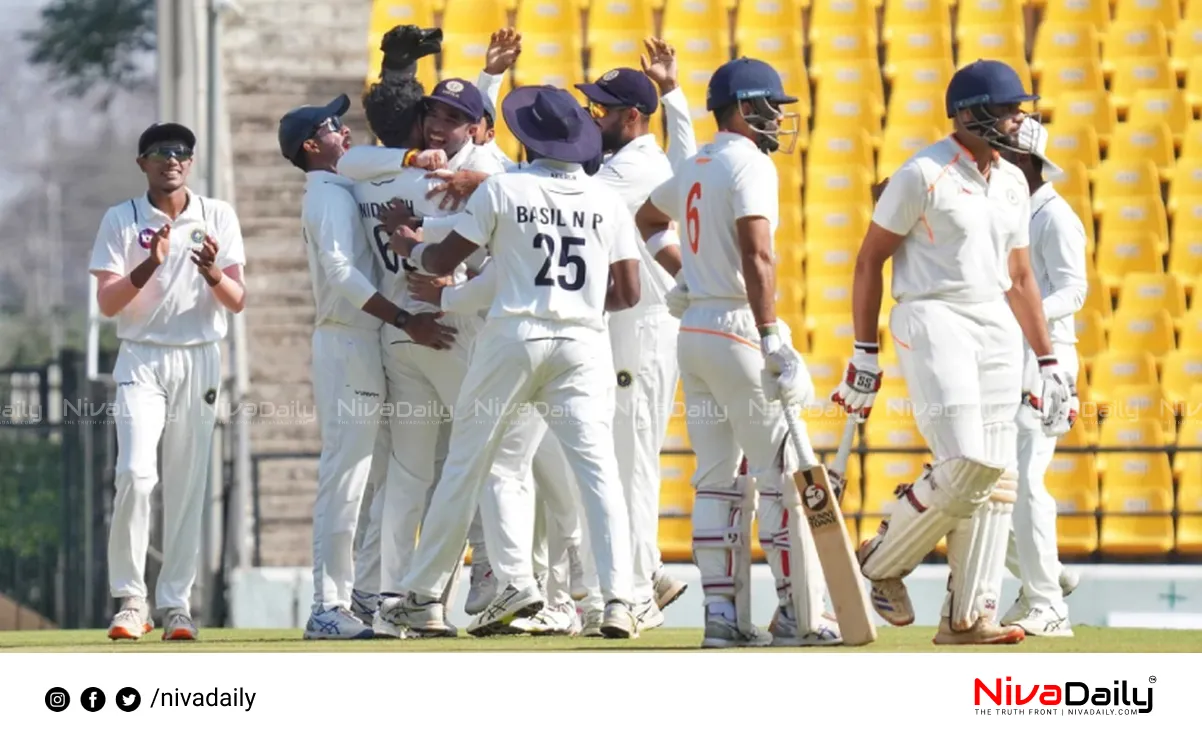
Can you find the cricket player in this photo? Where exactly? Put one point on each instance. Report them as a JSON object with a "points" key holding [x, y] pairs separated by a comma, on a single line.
{"points": [[168, 266], [544, 344], [955, 219], [1058, 260], [737, 362], [348, 375]]}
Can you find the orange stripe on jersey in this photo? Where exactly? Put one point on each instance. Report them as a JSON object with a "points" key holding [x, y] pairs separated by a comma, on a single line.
{"points": [[703, 160], [943, 172], [925, 223], [720, 334], [898, 342]]}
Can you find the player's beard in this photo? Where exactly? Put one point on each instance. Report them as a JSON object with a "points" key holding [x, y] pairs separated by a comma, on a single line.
{"points": [[611, 140]]}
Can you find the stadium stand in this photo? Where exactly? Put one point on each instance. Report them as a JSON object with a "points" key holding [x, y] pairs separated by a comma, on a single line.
{"points": [[1121, 87]]}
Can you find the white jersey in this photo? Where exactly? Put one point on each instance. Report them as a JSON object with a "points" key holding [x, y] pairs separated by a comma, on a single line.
{"points": [[552, 233], [177, 306], [959, 228], [633, 172], [1058, 261], [340, 263], [725, 181]]}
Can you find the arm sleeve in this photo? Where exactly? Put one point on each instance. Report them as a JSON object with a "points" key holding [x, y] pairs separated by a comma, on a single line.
{"points": [[479, 218], [1062, 248], [364, 162], [471, 296], [626, 237], [330, 218], [229, 239], [435, 229], [754, 190], [108, 252], [664, 198], [682, 143], [902, 202], [490, 86]]}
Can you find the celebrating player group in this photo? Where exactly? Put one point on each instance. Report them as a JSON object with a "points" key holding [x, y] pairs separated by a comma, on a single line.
{"points": [[498, 344]]}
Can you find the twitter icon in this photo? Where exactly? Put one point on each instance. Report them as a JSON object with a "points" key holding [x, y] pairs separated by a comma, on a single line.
{"points": [[128, 699]]}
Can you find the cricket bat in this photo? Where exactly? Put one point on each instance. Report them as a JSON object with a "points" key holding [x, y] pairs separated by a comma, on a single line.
{"points": [[844, 581]]}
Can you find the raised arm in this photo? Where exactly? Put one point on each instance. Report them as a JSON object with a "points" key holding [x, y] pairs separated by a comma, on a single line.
{"points": [[659, 64]]}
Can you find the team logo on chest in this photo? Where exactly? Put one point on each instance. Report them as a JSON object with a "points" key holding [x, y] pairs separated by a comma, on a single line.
{"points": [[144, 237], [198, 236]]}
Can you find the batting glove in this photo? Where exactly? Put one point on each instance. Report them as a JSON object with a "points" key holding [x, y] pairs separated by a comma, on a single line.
{"points": [[1058, 404], [785, 376], [857, 391], [677, 300]]}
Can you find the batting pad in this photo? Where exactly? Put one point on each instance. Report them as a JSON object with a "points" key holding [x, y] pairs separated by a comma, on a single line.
{"points": [[976, 556]]}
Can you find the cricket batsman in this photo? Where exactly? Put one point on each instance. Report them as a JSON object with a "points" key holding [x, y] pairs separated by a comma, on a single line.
{"points": [[168, 265], [739, 368], [955, 219]]}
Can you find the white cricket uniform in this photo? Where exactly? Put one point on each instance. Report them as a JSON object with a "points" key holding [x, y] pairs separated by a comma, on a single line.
{"points": [[168, 375], [1058, 259], [552, 234], [721, 365], [348, 377], [958, 342], [423, 382]]}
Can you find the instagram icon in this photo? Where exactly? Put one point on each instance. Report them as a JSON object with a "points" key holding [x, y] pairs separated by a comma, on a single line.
{"points": [[57, 699]]}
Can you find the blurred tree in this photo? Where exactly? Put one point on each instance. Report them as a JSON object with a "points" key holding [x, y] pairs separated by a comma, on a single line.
{"points": [[90, 43]]}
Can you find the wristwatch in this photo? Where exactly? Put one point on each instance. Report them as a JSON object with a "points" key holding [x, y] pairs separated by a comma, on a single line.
{"points": [[402, 319]]}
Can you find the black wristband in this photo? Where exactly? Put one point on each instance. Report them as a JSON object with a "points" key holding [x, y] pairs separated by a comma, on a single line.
{"points": [[1047, 361]]}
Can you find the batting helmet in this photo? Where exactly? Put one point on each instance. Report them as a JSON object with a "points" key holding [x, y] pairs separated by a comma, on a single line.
{"points": [[980, 88], [758, 84]]}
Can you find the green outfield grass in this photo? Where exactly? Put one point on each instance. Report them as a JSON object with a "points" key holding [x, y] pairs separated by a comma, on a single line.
{"points": [[907, 640]]}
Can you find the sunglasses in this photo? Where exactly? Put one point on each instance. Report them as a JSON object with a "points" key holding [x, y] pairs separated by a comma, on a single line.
{"points": [[599, 111], [332, 124], [165, 152]]}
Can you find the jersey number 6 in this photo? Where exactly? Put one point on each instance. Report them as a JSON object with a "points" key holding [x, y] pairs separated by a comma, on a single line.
{"points": [[692, 221], [392, 261], [543, 241]]}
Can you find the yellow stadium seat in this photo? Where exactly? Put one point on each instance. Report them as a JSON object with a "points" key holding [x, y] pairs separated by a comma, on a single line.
{"points": [[677, 436], [827, 18], [1187, 187], [913, 107], [1145, 401], [1189, 523], [1122, 252], [863, 75], [839, 185], [1137, 469], [474, 18], [825, 261], [1091, 335], [893, 432], [988, 14], [1149, 292], [1187, 465], [918, 42], [1114, 368], [1119, 179], [1185, 255], [1143, 73], [836, 225], [884, 472], [1127, 41], [1187, 43], [833, 147], [1161, 104], [777, 21], [1092, 12], [545, 59], [1193, 83], [1076, 533], [387, 14], [900, 143], [465, 51], [1191, 329], [1182, 369], [824, 422], [1069, 472], [675, 486], [790, 292], [676, 539], [827, 372], [1056, 42], [1075, 500], [1093, 109], [607, 51], [549, 18], [1136, 214], [1084, 211], [843, 44], [790, 236], [630, 19], [1193, 10], [1147, 331], [1119, 432], [1097, 297], [846, 109], [922, 74], [1164, 12], [1078, 144], [1073, 182], [904, 15], [1068, 75], [990, 41], [828, 295], [831, 336], [682, 18], [1137, 521]]}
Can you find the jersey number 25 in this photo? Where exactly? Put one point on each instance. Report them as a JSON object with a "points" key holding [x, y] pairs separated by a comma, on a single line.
{"points": [[692, 220], [543, 241]]}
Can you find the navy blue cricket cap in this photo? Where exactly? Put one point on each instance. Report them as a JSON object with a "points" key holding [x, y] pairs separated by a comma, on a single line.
{"points": [[460, 95], [165, 132], [742, 79], [299, 124], [986, 82], [623, 87]]}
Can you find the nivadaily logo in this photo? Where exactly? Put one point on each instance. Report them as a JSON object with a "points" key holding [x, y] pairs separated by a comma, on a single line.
{"points": [[1071, 697]]}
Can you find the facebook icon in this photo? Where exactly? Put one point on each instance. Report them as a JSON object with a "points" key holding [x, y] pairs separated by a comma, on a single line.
{"points": [[92, 699]]}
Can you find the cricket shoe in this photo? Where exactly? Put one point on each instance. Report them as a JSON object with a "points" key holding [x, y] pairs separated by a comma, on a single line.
{"points": [[552, 620], [1042, 623], [132, 621], [404, 617], [336, 623], [591, 626], [179, 626], [483, 589], [648, 616], [721, 632], [889, 597], [618, 622], [1069, 580], [783, 629], [510, 604], [982, 632], [667, 589], [576, 588], [364, 605]]}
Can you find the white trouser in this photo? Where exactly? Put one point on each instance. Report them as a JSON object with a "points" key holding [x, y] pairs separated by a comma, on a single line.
{"points": [[423, 384], [963, 369], [644, 349], [168, 392], [371, 515], [1033, 556], [729, 417], [557, 525], [570, 381], [348, 386]]}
